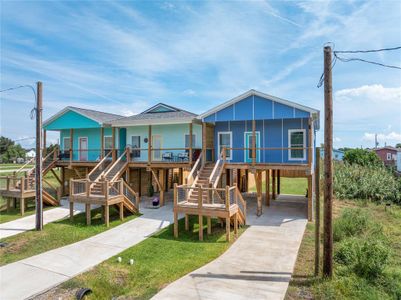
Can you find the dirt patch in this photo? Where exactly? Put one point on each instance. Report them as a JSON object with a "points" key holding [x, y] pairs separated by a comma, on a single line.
{"points": [[58, 294]]}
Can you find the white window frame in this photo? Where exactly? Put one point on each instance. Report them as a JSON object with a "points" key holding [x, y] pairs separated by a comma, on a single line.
{"points": [[138, 149], [257, 134], [231, 143], [193, 140], [104, 142], [290, 131], [64, 138], [389, 156]]}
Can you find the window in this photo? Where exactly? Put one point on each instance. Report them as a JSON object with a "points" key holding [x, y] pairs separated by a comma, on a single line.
{"points": [[296, 139], [108, 144], [136, 144], [389, 156], [225, 140], [66, 144], [187, 140]]}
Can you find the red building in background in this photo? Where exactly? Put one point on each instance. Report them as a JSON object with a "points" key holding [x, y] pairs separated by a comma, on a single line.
{"points": [[388, 155]]}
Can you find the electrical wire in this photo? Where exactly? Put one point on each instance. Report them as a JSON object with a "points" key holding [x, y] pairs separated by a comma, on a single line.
{"points": [[367, 51], [366, 61], [32, 114]]}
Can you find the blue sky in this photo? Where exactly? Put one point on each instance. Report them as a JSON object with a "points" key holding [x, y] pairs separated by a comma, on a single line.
{"points": [[122, 57]]}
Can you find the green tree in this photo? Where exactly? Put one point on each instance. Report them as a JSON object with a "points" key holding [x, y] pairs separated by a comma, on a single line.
{"points": [[398, 145], [12, 153], [362, 157], [4, 144]]}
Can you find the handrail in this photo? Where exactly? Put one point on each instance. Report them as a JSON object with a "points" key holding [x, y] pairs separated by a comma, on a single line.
{"points": [[98, 165], [126, 152], [195, 167], [27, 163], [242, 201], [217, 168]]}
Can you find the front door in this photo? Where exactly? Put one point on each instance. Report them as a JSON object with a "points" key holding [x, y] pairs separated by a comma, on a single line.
{"points": [[248, 153], [83, 148], [156, 146]]}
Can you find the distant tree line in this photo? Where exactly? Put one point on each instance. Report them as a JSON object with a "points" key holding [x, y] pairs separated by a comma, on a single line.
{"points": [[9, 151]]}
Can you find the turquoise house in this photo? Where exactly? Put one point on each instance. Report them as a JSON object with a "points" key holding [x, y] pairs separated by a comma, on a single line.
{"points": [[84, 134], [174, 134]]}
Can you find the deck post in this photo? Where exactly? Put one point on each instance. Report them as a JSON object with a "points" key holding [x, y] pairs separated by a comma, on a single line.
{"points": [[200, 214], [310, 142], [88, 213], [175, 202], [186, 222], [258, 181], [278, 182], [101, 142], [267, 187], [8, 204], [149, 144], [253, 142], [274, 173], [203, 143], [162, 182], [121, 209], [107, 214], [71, 145], [87, 188], [8, 183], [228, 213], [22, 206], [190, 143], [113, 144], [71, 210], [236, 225], [44, 143]]}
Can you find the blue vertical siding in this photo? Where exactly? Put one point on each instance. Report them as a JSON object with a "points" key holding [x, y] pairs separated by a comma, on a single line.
{"points": [[273, 134]]}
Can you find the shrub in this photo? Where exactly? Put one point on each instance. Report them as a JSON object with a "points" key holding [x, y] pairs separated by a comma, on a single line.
{"points": [[366, 258], [366, 182], [362, 157], [352, 222], [151, 190]]}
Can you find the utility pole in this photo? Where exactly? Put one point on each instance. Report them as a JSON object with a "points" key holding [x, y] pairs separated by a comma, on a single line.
{"points": [[317, 210], [38, 168], [328, 167]]}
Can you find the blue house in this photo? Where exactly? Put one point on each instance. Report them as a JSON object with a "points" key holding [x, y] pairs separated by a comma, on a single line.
{"points": [[337, 154]]}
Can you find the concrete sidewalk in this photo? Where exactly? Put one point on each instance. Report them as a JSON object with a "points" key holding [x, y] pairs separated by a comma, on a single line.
{"points": [[28, 223], [37, 274], [258, 265]]}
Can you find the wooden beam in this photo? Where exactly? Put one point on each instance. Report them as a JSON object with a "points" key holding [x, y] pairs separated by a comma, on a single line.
{"points": [[56, 176], [258, 182], [101, 142], [274, 184], [71, 206], [204, 142], [71, 145], [317, 211], [44, 143], [310, 142], [88, 213], [113, 144], [121, 210], [190, 143], [253, 142], [107, 215], [267, 183], [150, 144], [200, 204], [278, 182], [310, 197]]}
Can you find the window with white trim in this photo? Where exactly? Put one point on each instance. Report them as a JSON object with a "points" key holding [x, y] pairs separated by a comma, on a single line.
{"points": [[136, 144], [297, 144], [108, 142], [66, 144], [187, 140], [389, 156], [225, 141]]}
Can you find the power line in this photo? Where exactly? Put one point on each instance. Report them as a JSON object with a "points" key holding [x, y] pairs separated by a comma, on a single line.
{"points": [[364, 60], [343, 59], [33, 111], [367, 51]]}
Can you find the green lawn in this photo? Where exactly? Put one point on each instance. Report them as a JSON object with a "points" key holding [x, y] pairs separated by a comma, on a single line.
{"points": [[55, 235], [292, 186], [13, 166], [347, 284], [159, 260]]}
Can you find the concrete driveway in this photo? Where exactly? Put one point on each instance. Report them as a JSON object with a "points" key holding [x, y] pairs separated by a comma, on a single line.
{"points": [[35, 275], [258, 265]]}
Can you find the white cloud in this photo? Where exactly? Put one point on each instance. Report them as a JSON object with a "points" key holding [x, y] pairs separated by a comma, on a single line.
{"points": [[389, 138], [374, 93]]}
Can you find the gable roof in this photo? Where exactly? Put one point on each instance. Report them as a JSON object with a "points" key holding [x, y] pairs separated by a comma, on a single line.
{"points": [[97, 116], [171, 115], [253, 92]]}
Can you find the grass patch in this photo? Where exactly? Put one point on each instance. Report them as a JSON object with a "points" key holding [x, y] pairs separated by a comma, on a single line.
{"points": [[13, 166], [367, 255], [55, 235], [159, 260], [291, 186]]}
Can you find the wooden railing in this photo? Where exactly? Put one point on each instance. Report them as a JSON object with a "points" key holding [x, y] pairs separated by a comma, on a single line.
{"points": [[82, 187], [124, 158], [195, 170], [130, 194], [101, 166], [218, 169]]}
